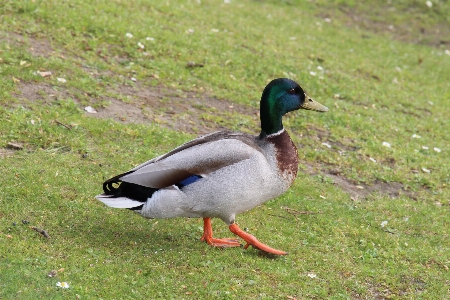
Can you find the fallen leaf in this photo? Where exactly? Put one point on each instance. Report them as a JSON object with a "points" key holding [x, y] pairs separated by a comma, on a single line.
{"points": [[44, 74], [426, 170]]}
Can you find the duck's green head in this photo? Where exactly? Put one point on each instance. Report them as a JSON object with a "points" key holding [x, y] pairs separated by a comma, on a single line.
{"points": [[281, 96]]}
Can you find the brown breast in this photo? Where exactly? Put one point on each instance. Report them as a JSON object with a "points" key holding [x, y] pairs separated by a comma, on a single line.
{"points": [[287, 156]]}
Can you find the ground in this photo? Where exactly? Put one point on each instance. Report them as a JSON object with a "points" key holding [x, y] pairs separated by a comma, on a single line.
{"points": [[362, 220]]}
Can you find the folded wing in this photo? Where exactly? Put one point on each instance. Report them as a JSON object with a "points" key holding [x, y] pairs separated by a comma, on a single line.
{"points": [[198, 157]]}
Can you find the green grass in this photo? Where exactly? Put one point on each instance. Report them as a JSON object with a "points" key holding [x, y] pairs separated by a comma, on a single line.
{"points": [[389, 88]]}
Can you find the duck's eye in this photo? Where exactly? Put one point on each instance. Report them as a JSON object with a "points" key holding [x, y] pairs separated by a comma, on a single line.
{"points": [[292, 91]]}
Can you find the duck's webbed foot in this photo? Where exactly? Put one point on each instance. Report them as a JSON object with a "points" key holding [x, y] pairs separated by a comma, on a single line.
{"points": [[251, 240], [222, 243]]}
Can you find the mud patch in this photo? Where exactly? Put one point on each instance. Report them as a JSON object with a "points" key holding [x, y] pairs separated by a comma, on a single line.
{"points": [[41, 92], [36, 46], [4, 152], [10, 149], [40, 47], [181, 111], [122, 112], [362, 191], [359, 191]]}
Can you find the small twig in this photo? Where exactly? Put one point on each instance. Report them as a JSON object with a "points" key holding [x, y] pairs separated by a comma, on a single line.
{"points": [[294, 213], [193, 64], [41, 231], [14, 146], [62, 124], [291, 210], [280, 216]]}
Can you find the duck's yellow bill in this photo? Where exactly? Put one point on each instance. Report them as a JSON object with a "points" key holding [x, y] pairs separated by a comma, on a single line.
{"points": [[310, 104]]}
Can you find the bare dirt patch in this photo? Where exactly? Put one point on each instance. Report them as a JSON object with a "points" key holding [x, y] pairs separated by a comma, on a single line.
{"points": [[145, 105], [41, 92], [177, 110], [10, 149], [361, 191], [357, 190], [4, 152], [35, 45], [122, 112]]}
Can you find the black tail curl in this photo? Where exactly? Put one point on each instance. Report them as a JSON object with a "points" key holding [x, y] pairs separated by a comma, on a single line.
{"points": [[117, 188]]}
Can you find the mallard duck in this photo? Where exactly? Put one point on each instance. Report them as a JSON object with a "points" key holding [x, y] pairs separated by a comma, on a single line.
{"points": [[221, 174]]}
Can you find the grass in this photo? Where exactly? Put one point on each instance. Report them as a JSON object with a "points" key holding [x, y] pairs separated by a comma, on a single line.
{"points": [[380, 85]]}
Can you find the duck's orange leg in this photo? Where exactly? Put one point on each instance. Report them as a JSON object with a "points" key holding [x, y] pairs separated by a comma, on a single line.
{"points": [[251, 240], [207, 236]]}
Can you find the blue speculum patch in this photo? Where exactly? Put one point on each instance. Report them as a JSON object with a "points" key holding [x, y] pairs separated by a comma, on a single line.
{"points": [[189, 180]]}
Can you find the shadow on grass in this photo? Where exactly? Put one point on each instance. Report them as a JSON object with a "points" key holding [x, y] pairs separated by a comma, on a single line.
{"points": [[144, 237]]}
